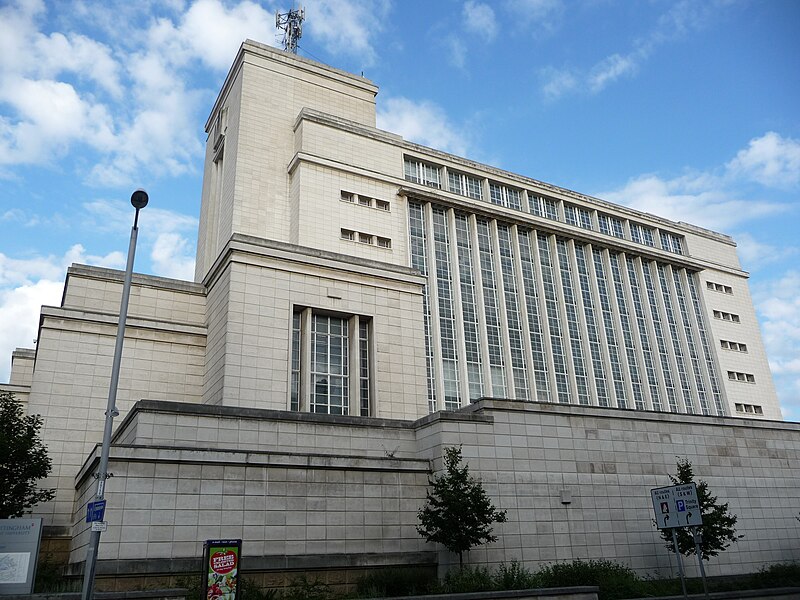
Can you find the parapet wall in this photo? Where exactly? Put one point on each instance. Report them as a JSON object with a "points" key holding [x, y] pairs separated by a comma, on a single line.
{"points": [[298, 487]]}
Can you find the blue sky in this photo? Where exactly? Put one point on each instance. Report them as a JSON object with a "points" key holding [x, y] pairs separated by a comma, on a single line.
{"points": [[685, 109]]}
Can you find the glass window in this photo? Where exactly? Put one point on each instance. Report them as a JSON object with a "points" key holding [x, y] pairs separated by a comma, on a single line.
{"points": [[466, 185], [420, 172], [329, 368]]}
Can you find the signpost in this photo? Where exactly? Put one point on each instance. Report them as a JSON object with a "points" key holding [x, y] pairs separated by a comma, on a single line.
{"points": [[678, 506]]}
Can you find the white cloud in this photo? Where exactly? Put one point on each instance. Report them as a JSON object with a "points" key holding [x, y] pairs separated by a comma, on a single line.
{"points": [[422, 122], [557, 82], [457, 50], [28, 283], [173, 257], [348, 27], [611, 68], [19, 316], [754, 254], [702, 201], [778, 306], [479, 18], [771, 160], [680, 19], [169, 235], [542, 14]]}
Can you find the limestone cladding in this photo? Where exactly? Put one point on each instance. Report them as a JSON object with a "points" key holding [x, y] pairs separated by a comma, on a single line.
{"points": [[251, 300], [575, 481], [163, 358]]}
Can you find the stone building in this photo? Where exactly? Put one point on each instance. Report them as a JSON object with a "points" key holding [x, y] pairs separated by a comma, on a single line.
{"points": [[359, 303]]}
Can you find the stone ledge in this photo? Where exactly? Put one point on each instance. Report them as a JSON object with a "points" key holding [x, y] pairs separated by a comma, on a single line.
{"points": [[250, 564]]}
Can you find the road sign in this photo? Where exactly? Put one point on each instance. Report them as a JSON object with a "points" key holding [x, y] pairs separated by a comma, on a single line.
{"points": [[99, 526], [676, 506], [95, 511]]}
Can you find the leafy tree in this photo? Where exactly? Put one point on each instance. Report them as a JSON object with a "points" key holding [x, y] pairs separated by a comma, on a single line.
{"points": [[718, 530], [458, 514], [24, 459]]}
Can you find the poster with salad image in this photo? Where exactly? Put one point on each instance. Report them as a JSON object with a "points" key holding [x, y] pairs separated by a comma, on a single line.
{"points": [[222, 569]]}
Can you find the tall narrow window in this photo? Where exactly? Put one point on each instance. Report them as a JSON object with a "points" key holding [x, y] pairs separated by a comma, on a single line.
{"points": [[518, 366], [469, 309], [329, 367], [595, 347], [540, 370], [295, 383], [672, 321], [553, 320], [494, 337], [603, 293], [363, 367], [573, 325], [419, 242], [447, 322], [627, 331]]}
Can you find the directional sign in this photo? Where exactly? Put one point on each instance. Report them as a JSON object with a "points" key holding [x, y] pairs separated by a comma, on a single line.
{"points": [[95, 511], [676, 506]]}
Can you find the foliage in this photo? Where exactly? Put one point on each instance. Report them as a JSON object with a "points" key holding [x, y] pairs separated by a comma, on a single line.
{"points": [[50, 578], [250, 590], [613, 579], [385, 583], [304, 589], [515, 577], [718, 530], [25, 459], [458, 514], [777, 575], [469, 579]]}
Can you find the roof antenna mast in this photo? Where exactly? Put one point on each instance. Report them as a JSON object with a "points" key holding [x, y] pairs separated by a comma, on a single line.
{"points": [[291, 23]]}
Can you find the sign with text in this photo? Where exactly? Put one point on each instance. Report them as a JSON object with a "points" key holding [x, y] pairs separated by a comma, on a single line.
{"points": [[221, 577], [95, 511], [19, 553], [676, 506]]}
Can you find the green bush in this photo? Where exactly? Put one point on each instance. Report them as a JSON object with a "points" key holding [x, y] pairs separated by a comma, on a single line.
{"points": [[515, 577], [385, 583], [613, 579], [50, 580], [778, 575], [304, 589], [467, 579]]}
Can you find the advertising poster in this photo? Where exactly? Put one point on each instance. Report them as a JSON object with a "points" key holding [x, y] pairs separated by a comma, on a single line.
{"points": [[222, 569]]}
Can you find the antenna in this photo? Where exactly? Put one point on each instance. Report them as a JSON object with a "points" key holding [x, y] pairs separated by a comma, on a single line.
{"points": [[291, 23]]}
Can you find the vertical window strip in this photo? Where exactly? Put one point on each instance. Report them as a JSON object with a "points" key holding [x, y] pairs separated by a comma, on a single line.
{"points": [[617, 372], [553, 320], [469, 310], [295, 385], [518, 366], [329, 365], [690, 341], [416, 217], [595, 347], [573, 325], [627, 334], [541, 379], [677, 348], [712, 370], [661, 342], [447, 322], [363, 366], [644, 336], [491, 310]]}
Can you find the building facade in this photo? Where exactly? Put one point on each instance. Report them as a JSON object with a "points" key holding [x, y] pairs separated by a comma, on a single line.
{"points": [[360, 302]]}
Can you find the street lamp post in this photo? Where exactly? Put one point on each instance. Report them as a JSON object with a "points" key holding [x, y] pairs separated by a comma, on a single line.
{"points": [[139, 200]]}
